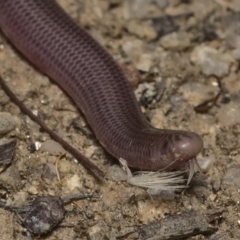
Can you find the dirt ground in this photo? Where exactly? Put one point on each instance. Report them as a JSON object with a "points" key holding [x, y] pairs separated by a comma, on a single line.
{"points": [[174, 47]]}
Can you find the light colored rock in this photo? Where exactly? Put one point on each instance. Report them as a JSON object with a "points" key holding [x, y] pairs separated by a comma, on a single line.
{"points": [[176, 41], [197, 92], [229, 114], [236, 53], [53, 147], [73, 182], [232, 176], [7, 123], [146, 92], [142, 29], [116, 173], [211, 61], [134, 50]]}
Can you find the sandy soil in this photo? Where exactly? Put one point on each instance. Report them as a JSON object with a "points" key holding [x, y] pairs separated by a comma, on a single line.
{"points": [[132, 31]]}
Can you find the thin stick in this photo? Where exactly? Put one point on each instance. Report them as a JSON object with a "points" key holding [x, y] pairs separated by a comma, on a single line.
{"points": [[80, 157]]}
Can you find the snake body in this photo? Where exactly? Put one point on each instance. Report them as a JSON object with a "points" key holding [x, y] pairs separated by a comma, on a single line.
{"points": [[50, 39]]}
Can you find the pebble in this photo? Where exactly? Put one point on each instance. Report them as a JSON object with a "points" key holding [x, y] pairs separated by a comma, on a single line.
{"points": [[32, 190], [134, 50], [197, 92], [165, 194], [231, 26], [145, 93], [116, 173], [164, 25], [135, 8], [49, 171], [229, 114], [232, 176], [142, 29], [205, 163], [162, 3], [176, 41], [53, 147], [92, 150], [7, 123], [236, 53], [211, 61], [73, 182], [11, 178]]}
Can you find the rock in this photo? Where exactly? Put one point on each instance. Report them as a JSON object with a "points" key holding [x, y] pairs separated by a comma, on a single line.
{"points": [[142, 29], [232, 176], [116, 173], [211, 61], [236, 53], [11, 178], [93, 150], [229, 114], [73, 182], [7, 123], [53, 147], [164, 25], [197, 92], [145, 93], [135, 8], [176, 41], [134, 50], [231, 25]]}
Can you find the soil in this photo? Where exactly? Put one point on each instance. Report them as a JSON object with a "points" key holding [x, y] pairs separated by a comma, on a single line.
{"points": [[177, 78]]}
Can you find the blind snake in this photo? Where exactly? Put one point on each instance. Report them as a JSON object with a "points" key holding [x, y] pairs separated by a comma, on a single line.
{"points": [[47, 36]]}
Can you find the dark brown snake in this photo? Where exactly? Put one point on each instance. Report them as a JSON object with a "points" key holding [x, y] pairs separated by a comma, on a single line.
{"points": [[47, 36]]}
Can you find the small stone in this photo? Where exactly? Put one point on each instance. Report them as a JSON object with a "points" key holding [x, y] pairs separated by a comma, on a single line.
{"points": [[206, 162], [73, 182], [134, 50], [162, 3], [116, 173], [236, 54], [164, 25], [92, 150], [211, 61], [143, 30], [49, 171], [135, 8], [11, 178], [232, 176], [164, 194], [197, 92], [229, 114], [7, 123], [53, 147], [88, 183], [212, 197], [176, 41], [32, 190], [145, 93]]}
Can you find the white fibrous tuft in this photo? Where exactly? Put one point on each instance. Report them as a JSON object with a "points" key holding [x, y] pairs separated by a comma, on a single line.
{"points": [[159, 180]]}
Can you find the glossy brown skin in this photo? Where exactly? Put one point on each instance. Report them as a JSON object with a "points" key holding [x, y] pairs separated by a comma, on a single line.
{"points": [[43, 32]]}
